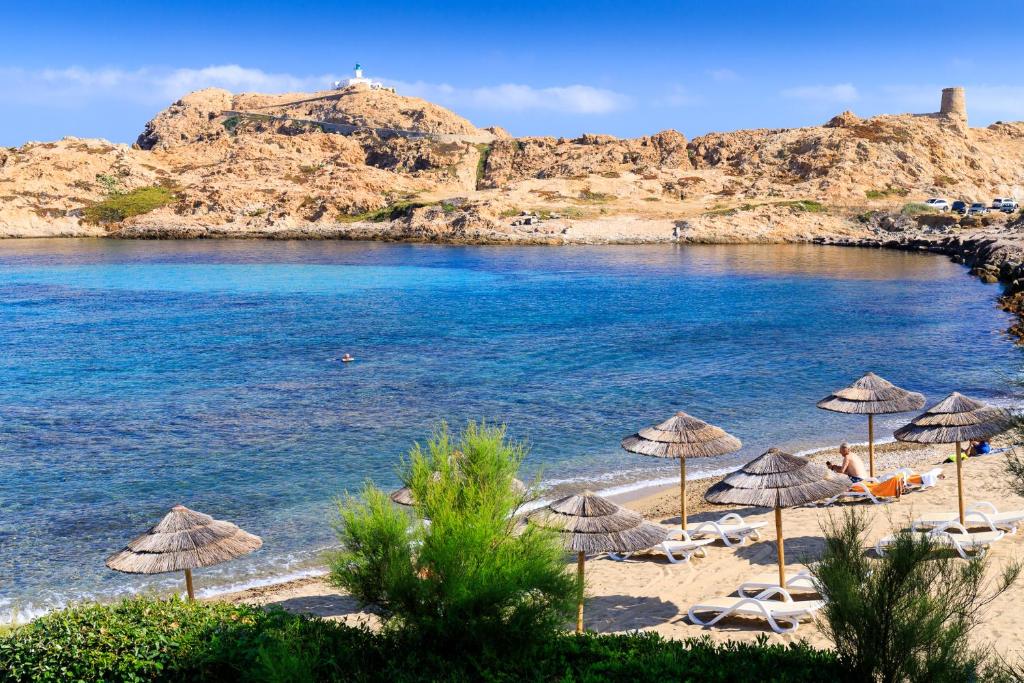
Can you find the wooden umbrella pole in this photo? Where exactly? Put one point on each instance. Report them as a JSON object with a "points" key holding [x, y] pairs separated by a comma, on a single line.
{"points": [[580, 560], [960, 482], [871, 444], [782, 550], [188, 585], [682, 492]]}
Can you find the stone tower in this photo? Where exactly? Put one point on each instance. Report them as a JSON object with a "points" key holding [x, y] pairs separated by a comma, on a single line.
{"points": [[954, 103]]}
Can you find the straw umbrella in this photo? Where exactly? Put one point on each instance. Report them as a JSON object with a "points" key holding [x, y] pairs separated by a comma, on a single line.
{"points": [[682, 436], [954, 419], [183, 540], [871, 395], [778, 480], [591, 524]]}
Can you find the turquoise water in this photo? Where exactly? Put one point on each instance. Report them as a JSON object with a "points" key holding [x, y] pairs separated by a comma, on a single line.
{"points": [[136, 375]]}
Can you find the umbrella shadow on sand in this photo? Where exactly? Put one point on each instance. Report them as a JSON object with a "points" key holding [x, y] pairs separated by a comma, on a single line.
{"points": [[803, 549], [326, 605], [628, 612]]}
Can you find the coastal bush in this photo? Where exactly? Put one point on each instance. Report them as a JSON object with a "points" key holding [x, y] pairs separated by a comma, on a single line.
{"points": [[907, 615], [806, 205], [472, 579], [916, 209], [122, 205], [155, 640], [390, 212]]}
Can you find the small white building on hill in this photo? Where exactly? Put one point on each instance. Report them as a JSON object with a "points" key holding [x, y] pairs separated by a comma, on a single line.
{"points": [[359, 80]]}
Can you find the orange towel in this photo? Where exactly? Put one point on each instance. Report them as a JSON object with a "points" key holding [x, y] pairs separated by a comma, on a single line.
{"points": [[886, 489], [915, 480]]}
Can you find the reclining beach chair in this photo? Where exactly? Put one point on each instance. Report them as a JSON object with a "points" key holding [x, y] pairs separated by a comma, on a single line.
{"points": [[784, 610], [983, 514], [731, 528], [953, 535], [803, 580], [677, 543], [922, 481], [878, 492]]}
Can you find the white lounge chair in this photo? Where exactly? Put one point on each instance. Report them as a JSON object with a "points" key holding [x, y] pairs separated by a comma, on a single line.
{"points": [[803, 580], [983, 513], [729, 527], [955, 536], [773, 611], [677, 543]]}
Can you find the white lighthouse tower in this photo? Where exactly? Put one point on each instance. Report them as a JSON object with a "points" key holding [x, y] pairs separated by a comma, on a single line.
{"points": [[360, 80]]}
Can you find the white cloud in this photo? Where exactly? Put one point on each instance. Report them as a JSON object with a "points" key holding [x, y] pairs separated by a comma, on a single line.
{"points": [[570, 99], [841, 92], [723, 75], [73, 86]]}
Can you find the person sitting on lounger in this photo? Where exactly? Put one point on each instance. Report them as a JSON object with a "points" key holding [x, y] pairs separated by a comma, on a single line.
{"points": [[979, 448], [852, 466]]}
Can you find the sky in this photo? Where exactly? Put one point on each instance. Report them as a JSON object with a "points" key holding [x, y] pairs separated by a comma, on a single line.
{"points": [[94, 69]]}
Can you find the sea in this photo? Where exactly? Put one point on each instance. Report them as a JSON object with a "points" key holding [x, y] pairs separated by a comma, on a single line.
{"points": [[135, 375]]}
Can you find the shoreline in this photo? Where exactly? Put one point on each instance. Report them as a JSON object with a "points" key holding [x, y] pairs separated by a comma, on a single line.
{"points": [[658, 502]]}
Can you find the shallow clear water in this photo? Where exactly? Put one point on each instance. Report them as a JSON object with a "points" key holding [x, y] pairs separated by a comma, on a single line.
{"points": [[136, 375]]}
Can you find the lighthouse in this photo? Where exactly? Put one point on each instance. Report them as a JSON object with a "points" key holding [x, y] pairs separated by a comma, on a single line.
{"points": [[359, 80]]}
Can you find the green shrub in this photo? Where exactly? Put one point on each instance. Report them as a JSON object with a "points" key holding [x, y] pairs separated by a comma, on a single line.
{"points": [[889, 191], [808, 205], [916, 209], [906, 616], [153, 640], [470, 578], [588, 195], [122, 205], [390, 212]]}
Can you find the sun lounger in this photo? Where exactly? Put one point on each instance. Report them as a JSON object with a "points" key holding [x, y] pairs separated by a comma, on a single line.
{"points": [[979, 514], [784, 610], [878, 492], [678, 543], [731, 529], [922, 481], [803, 580], [953, 535]]}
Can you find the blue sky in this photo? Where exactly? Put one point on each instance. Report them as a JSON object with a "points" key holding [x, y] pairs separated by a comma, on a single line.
{"points": [[536, 68]]}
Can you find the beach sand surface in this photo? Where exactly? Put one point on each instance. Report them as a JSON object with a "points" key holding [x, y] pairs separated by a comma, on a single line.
{"points": [[647, 592]]}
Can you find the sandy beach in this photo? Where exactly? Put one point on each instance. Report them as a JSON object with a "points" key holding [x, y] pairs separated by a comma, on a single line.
{"points": [[648, 593]]}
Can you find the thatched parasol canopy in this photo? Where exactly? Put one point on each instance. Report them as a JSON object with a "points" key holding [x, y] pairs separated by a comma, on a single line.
{"points": [[682, 436], [183, 540], [592, 524], [954, 419], [871, 395], [778, 480]]}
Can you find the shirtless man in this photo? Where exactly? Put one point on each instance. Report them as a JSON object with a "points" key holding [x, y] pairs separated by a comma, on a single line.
{"points": [[852, 466]]}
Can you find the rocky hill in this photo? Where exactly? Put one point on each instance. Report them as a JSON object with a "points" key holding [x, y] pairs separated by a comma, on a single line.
{"points": [[414, 170]]}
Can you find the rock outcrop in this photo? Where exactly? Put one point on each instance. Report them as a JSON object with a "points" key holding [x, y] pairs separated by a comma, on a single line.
{"points": [[280, 171]]}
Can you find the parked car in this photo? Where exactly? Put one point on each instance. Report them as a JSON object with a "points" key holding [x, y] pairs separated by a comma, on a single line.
{"points": [[1009, 205], [938, 204], [960, 206], [976, 208], [997, 204]]}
